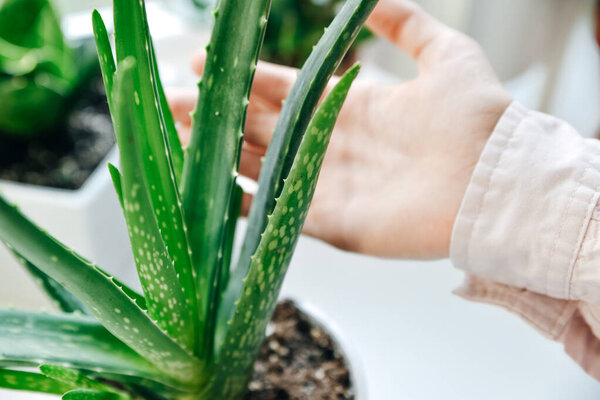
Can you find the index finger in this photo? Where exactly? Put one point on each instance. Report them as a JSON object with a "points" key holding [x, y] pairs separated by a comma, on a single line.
{"points": [[410, 28]]}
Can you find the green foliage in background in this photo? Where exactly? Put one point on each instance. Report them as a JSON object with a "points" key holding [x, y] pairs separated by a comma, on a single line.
{"points": [[196, 329], [40, 74], [295, 26]]}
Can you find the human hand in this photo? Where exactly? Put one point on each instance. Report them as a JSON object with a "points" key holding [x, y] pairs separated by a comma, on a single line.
{"points": [[401, 156]]}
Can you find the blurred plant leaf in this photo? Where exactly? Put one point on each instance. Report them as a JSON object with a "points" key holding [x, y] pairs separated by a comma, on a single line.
{"points": [[31, 382]]}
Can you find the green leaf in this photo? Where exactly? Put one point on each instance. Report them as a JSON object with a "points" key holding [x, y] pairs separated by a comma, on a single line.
{"points": [[105, 299], [79, 342], [72, 377], [245, 332], [210, 168], [293, 120], [172, 135], [105, 55], [108, 73], [116, 178], [79, 380], [133, 39], [61, 297], [109, 68], [31, 381], [143, 388], [129, 292], [167, 302], [90, 394], [234, 213]]}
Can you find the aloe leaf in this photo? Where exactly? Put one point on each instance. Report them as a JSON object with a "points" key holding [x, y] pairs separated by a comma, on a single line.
{"points": [[115, 175], [173, 313], [105, 55], [144, 388], [166, 298], [72, 377], [61, 297], [210, 168], [245, 331], [222, 273], [293, 120], [154, 150], [65, 299], [79, 380], [111, 306], [137, 298], [234, 212], [28, 339], [90, 394], [31, 382], [172, 135]]}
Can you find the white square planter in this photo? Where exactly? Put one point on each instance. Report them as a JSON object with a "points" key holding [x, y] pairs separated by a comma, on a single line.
{"points": [[88, 219]]}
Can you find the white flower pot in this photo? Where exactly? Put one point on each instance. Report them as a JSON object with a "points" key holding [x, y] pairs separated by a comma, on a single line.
{"points": [[88, 219], [343, 345]]}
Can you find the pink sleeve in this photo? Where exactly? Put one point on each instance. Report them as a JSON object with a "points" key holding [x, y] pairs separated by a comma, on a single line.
{"points": [[528, 231]]}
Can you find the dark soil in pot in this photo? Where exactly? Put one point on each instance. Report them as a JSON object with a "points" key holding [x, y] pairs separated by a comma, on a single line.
{"points": [[299, 361], [66, 158]]}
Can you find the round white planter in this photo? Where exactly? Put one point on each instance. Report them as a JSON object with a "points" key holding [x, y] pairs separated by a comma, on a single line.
{"points": [[343, 345]]}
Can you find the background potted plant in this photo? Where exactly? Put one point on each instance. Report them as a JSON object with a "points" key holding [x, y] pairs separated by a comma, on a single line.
{"points": [[195, 331], [55, 131], [296, 25], [293, 29]]}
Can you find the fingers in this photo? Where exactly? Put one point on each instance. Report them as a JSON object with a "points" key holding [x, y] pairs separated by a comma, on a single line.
{"points": [[250, 163], [182, 103], [246, 203], [273, 82], [260, 122], [198, 60], [410, 28], [251, 160], [185, 133]]}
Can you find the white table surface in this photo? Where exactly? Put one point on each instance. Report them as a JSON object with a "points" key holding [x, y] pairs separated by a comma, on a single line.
{"points": [[418, 341]]}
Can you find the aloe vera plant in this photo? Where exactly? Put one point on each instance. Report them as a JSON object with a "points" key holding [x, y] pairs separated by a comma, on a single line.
{"points": [[40, 74], [195, 330]]}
